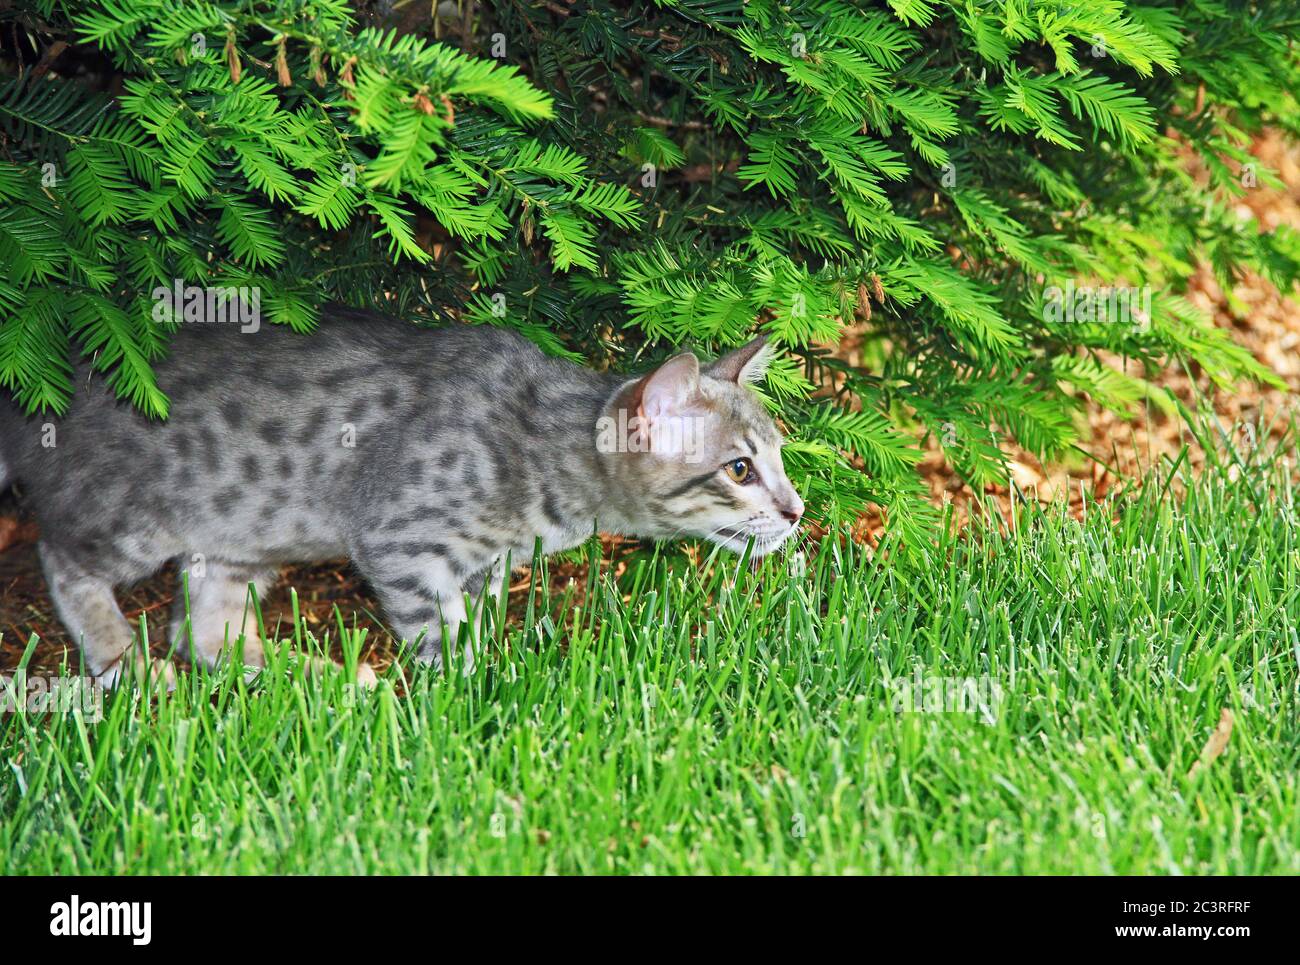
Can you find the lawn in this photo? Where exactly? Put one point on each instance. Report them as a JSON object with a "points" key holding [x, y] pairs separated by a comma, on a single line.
{"points": [[1035, 703]]}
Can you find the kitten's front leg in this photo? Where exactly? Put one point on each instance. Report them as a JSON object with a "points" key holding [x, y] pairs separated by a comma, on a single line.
{"points": [[450, 614], [419, 603], [486, 584]]}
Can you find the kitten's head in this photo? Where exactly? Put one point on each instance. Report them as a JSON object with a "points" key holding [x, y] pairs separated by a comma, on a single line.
{"points": [[696, 454]]}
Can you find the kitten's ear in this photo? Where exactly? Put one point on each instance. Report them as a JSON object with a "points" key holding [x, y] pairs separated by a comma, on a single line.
{"points": [[746, 364], [664, 400], [670, 389]]}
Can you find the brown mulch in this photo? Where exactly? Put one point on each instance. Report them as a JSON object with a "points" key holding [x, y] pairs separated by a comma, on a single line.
{"points": [[325, 592], [26, 608], [1124, 450]]}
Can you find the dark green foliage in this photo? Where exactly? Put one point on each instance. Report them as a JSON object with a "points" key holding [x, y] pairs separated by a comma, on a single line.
{"points": [[615, 180]]}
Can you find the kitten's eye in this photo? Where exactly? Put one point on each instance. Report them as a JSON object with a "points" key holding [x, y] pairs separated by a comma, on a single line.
{"points": [[740, 470]]}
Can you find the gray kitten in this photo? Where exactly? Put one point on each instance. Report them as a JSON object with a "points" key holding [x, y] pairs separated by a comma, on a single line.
{"points": [[426, 456]]}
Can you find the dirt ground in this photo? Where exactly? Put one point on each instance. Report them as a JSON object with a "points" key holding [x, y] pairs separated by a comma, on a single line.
{"points": [[1123, 450]]}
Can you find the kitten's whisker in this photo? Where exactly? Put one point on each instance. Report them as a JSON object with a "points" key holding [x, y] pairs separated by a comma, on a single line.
{"points": [[716, 531], [804, 541]]}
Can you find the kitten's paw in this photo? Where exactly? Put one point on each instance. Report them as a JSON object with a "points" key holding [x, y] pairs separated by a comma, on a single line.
{"points": [[366, 676], [430, 654], [138, 667]]}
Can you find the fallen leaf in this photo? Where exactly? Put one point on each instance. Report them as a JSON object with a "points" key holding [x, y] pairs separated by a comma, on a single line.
{"points": [[1215, 745]]}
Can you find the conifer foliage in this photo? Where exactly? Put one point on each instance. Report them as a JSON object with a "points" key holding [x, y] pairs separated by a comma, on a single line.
{"points": [[965, 184]]}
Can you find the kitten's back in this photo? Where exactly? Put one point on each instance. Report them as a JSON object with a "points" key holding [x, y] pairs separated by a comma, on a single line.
{"points": [[270, 433]]}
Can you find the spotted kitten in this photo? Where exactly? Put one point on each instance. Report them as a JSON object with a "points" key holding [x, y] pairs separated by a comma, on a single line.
{"points": [[424, 456]]}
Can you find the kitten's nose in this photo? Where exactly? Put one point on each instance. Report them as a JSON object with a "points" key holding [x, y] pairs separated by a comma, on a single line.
{"points": [[793, 509]]}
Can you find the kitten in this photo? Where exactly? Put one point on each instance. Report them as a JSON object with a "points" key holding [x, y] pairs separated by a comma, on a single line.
{"points": [[426, 456]]}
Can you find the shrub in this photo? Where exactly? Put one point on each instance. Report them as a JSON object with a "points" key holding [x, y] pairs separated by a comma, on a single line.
{"points": [[996, 194]]}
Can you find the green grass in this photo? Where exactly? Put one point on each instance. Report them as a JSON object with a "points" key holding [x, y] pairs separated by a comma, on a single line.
{"points": [[732, 720]]}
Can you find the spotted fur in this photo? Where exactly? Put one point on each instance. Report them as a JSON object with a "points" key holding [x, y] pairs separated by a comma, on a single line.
{"points": [[429, 457]]}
